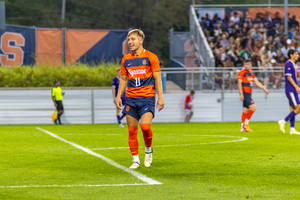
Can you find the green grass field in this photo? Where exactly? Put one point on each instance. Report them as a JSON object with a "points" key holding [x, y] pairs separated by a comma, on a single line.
{"points": [[191, 161]]}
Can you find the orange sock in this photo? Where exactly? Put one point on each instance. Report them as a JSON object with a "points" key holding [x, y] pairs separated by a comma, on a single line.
{"points": [[147, 133], [244, 117], [249, 114], [133, 140]]}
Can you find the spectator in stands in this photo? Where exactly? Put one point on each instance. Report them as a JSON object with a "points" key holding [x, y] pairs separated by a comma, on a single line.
{"points": [[293, 23], [208, 22], [216, 19], [239, 62], [286, 47], [219, 77], [258, 19], [296, 46], [224, 41], [281, 60], [235, 18], [276, 74], [256, 35], [291, 33], [202, 23], [218, 29], [245, 53], [265, 73], [228, 74]]}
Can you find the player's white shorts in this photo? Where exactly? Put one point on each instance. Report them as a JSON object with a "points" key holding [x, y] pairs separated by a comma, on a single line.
{"points": [[188, 111]]}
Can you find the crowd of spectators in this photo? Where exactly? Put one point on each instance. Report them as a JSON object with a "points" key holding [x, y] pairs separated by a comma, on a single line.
{"points": [[236, 38]]}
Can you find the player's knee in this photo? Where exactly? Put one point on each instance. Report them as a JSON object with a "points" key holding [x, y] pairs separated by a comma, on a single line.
{"points": [[145, 127]]}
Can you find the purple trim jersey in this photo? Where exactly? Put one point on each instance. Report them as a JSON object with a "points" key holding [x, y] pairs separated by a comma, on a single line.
{"points": [[115, 83], [290, 70]]}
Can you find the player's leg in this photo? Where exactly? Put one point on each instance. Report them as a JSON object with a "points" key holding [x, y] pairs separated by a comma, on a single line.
{"points": [[293, 120], [252, 109], [190, 116], [133, 140], [187, 115], [123, 102], [244, 114], [146, 121], [60, 110], [132, 118], [118, 117], [294, 108]]}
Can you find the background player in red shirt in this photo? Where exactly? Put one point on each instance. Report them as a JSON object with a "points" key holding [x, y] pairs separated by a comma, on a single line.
{"points": [[188, 106], [140, 71], [246, 77]]}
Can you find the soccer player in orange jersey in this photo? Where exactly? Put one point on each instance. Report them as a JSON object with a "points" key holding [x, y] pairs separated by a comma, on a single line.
{"points": [[140, 71], [246, 77]]}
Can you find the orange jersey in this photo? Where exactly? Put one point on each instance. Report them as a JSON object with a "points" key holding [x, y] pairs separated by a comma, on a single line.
{"points": [[139, 70], [247, 80]]}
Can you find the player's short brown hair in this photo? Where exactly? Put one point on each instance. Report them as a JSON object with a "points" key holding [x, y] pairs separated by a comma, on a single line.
{"points": [[247, 60], [139, 32]]}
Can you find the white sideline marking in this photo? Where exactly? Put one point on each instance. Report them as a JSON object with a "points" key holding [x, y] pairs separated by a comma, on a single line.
{"points": [[109, 161], [66, 186], [178, 145]]}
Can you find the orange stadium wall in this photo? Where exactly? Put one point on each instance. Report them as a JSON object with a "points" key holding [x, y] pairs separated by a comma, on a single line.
{"points": [[272, 11]]}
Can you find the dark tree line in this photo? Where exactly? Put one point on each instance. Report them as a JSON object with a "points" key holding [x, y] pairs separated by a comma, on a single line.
{"points": [[154, 17]]}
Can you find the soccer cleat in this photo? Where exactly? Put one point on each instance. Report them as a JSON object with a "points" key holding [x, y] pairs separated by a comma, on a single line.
{"points": [[135, 165], [281, 125], [148, 158], [247, 128], [294, 132], [242, 128], [55, 121], [121, 126]]}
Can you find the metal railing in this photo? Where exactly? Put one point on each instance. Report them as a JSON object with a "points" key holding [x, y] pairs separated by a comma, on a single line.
{"points": [[203, 51], [229, 77]]}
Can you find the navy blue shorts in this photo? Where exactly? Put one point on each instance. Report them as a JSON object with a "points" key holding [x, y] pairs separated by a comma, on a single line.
{"points": [[248, 101], [60, 105], [137, 107], [293, 98]]}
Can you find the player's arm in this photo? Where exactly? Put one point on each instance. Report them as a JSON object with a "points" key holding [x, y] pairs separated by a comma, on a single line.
{"points": [[241, 89], [53, 99], [258, 84], [290, 79], [122, 87], [113, 94], [158, 85]]}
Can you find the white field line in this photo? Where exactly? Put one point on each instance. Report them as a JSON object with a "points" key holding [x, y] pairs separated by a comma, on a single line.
{"points": [[136, 174], [69, 186], [240, 139]]}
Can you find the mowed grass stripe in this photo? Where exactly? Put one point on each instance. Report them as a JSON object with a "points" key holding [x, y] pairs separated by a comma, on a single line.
{"points": [[109, 161]]}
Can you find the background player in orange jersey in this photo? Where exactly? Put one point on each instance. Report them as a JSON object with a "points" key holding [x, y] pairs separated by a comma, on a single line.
{"points": [[246, 77], [140, 71]]}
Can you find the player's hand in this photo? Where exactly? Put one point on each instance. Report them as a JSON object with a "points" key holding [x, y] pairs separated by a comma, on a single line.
{"points": [[267, 91], [63, 93], [298, 90], [242, 97], [160, 104], [55, 105], [115, 100], [119, 103]]}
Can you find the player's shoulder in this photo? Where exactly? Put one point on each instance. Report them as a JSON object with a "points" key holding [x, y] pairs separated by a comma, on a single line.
{"points": [[242, 71], [127, 56], [150, 54]]}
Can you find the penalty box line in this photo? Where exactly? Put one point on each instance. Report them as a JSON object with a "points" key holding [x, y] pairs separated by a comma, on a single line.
{"points": [[136, 174]]}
